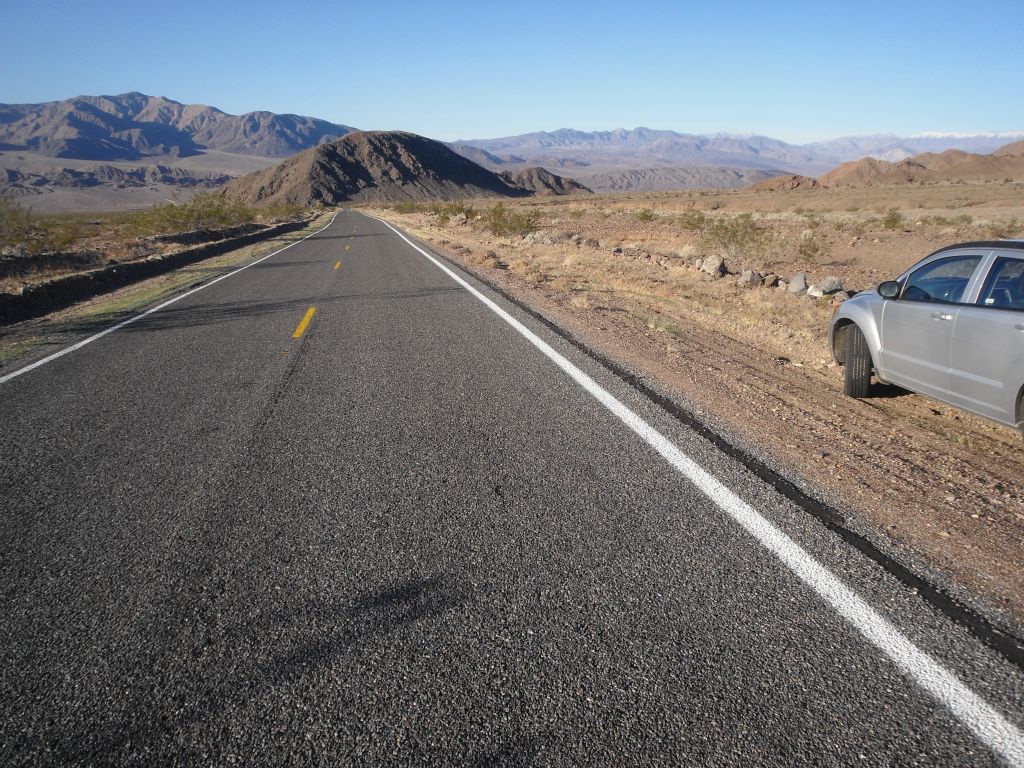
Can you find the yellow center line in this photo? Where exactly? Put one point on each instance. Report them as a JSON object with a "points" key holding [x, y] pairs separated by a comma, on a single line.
{"points": [[337, 264], [305, 321]]}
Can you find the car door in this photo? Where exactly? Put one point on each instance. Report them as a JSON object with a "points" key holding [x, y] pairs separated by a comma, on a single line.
{"points": [[917, 328], [987, 353]]}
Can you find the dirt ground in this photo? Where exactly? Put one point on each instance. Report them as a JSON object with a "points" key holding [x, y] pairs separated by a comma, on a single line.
{"points": [[941, 490]]}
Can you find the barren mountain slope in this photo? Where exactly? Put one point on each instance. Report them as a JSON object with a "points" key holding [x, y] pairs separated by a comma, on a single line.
{"points": [[951, 165], [373, 166], [133, 125], [542, 182]]}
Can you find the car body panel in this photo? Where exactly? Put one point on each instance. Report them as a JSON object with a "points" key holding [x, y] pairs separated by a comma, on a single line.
{"points": [[969, 353]]}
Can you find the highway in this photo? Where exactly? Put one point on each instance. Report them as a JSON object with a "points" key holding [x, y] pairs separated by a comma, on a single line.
{"points": [[347, 506]]}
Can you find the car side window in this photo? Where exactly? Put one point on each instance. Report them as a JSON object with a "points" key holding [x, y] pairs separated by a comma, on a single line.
{"points": [[942, 281], [1004, 286]]}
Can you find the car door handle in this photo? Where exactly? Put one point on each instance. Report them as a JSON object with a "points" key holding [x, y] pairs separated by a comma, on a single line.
{"points": [[941, 316], [1019, 326]]}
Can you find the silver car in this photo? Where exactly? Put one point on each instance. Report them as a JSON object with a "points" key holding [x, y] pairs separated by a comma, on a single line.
{"points": [[951, 327]]}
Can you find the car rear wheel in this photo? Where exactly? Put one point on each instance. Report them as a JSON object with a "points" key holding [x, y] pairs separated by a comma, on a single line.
{"points": [[857, 376]]}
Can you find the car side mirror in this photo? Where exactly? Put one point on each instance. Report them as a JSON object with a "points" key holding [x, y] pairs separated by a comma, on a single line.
{"points": [[890, 289]]}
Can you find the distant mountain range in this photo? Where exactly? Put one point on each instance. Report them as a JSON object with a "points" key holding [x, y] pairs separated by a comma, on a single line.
{"points": [[134, 126], [65, 148], [636, 159]]}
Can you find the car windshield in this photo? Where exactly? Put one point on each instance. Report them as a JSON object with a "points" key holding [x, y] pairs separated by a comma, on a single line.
{"points": [[944, 280]]}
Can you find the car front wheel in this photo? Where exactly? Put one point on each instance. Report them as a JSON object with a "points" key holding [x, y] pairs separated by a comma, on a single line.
{"points": [[857, 376]]}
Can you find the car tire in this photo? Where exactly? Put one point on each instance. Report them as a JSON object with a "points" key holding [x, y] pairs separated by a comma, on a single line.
{"points": [[857, 376]]}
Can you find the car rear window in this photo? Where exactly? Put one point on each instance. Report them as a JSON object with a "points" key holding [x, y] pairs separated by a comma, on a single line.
{"points": [[1004, 286]]}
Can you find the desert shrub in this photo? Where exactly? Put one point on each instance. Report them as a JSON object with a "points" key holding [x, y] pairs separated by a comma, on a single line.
{"points": [[645, 214], [811, 244], [407, 207], [736, 236], [578, 213], [206, 210], [1003, 230], [20, 229], [282, 211], [692, 219], [445, 211], [504, 222], [893, 219], [15, 223]]}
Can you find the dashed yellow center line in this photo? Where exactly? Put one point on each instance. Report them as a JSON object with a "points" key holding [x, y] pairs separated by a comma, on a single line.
{"points": [[337, 265], [304, 322]]}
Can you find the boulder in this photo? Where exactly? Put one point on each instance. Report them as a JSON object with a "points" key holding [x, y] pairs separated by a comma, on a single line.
{"points": [[771, 280], [815, 292], [750, 279], [713, 265], [830, 285], [798, 284], [591, 242]]}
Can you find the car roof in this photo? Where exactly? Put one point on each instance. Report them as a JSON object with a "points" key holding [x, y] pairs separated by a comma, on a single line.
{"points": [[1016, 245]]}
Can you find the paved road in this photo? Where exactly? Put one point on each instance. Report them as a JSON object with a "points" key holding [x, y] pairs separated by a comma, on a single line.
{"points": [[403, 534]]}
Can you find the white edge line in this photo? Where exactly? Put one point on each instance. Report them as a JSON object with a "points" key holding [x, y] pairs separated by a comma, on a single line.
{"points": [[988, 725], [130, 320]]}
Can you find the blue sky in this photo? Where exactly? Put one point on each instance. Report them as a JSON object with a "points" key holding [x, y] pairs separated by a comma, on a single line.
{"points": [[798, 71]]}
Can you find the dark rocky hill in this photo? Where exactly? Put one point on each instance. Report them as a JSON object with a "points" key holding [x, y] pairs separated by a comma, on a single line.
{"points": [[379, 167], [542, 182]]}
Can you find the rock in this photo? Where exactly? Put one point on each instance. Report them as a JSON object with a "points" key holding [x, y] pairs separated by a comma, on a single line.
{"points": [[458, 219], [750, 279], [830, 285], [714, 266], [591, 242], [798, 284], [617, 251], [770, 280], [698, 264], [839, 297], [815, 292]]}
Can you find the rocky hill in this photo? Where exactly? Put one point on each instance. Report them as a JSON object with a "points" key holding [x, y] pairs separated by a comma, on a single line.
{"points": [[541, 181], [1007, 162], [785, 183], [133, 126], [379, 167]]}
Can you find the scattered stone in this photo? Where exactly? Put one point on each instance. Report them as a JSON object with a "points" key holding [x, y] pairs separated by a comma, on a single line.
{"points": [[699, 264], [814, 292], [750, 279], [798, 284], [592, 242], [839, 297], [714, 266], [617, 251], [830, 285], [458, 219], [770, 280]]}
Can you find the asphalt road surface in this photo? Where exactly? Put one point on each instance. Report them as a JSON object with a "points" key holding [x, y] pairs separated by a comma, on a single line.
{"points": [[337, 509]]}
